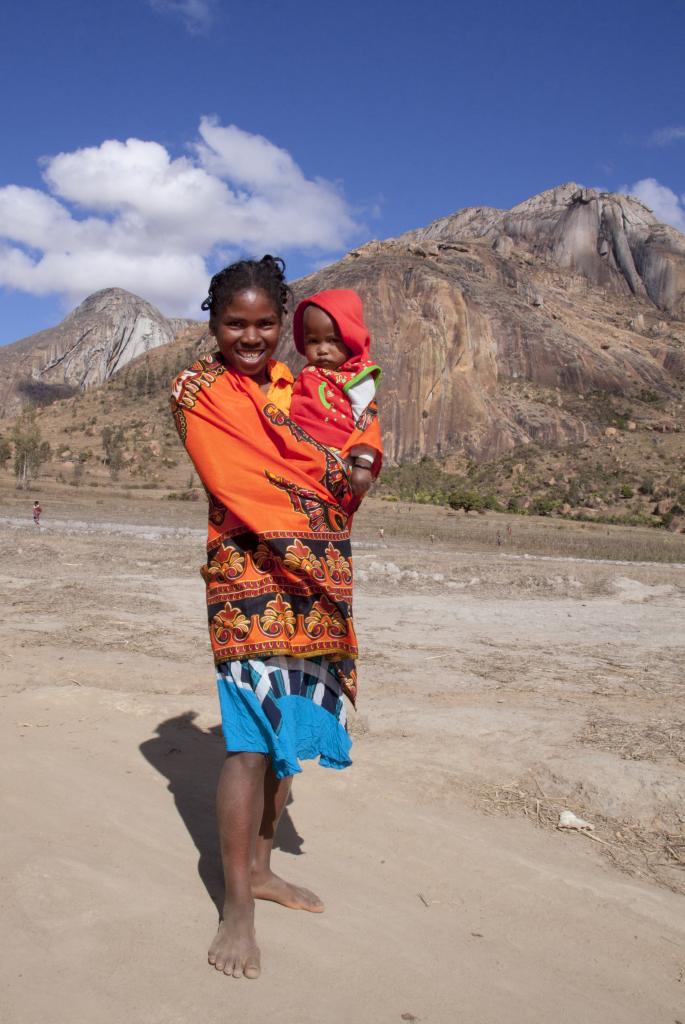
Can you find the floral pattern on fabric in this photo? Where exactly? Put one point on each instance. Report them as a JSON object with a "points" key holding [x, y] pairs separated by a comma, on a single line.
{"points": [[279, 572], [293, 594]]}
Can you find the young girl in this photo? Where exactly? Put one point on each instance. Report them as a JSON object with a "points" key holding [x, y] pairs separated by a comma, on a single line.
{"points": [[279, 589]]}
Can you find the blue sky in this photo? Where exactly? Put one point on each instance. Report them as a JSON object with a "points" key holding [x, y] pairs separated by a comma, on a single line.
{"points": [[148, 142]]}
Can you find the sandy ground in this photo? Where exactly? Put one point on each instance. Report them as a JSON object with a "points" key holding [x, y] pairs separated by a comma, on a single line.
{"points": [[496, 690]]}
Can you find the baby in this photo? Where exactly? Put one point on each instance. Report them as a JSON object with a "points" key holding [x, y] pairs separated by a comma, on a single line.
{"points": [[333, 397]]}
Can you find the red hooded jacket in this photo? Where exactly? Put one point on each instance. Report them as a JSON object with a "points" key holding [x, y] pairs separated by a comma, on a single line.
{"points": [[320, 402]]}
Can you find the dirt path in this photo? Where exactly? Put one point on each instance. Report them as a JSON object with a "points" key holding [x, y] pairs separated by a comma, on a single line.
{"points": [[489, 684]]}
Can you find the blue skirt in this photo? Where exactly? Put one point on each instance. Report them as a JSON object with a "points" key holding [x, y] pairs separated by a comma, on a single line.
{"points": [[289, 709]]}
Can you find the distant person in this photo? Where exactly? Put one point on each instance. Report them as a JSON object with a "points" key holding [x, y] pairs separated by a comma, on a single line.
{"points": [[279, 587], [334, 395], [37, 510], [381, 533]]}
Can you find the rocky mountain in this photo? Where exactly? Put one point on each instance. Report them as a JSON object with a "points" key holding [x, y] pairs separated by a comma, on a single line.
{"points": [[612, 240], [541, 326], [493, 326], [103, 334]]}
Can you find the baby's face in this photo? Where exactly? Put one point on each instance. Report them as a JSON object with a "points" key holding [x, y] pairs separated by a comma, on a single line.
{"points": [[323, 345]]}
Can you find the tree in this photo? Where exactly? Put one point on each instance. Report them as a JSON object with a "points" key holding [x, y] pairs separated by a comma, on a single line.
{"points": [[468, 500], [114, 442], [141, 380], [30, 450], [5, 451]]}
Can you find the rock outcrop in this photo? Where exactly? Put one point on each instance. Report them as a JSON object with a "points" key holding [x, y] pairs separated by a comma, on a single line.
{"points": [[495, 328], [108, 330], [611, 239], [489, 324]]}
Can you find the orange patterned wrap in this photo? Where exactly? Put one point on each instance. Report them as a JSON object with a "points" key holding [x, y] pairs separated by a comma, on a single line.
{"points": [[279, 566]]}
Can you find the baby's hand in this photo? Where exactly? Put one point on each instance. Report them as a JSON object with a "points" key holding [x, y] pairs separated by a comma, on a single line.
{"points": [[361, 479]]}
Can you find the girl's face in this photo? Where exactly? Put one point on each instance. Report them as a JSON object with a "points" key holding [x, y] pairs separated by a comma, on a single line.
{"points": [[323, 345], [247, 332]]}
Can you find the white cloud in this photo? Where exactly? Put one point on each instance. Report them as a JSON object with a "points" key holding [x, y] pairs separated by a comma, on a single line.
{"points": [[665, 136], [197, 15], [129, 214], [666, 204]]}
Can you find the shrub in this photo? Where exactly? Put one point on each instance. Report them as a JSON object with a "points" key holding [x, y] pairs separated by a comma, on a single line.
{"points": [[468, 500], [183, 496], [543, 507]]}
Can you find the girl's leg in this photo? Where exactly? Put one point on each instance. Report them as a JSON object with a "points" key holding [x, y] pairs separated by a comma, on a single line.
{"points": [[265, 884], [239, 804]]}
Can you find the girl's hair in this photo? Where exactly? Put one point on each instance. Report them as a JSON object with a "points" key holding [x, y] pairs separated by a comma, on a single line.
{"points": [[267, 274]]}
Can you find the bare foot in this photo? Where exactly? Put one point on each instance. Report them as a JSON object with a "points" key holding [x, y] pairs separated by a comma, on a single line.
{"points": [[234, 949], [271, 887]]}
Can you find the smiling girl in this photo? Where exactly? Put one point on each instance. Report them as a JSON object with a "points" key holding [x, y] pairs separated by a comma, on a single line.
{"points": [[279, 589]]}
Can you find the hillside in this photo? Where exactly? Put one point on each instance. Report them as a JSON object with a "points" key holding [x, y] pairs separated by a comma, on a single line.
{"points": [[536, 353], [98, 338], [488, 339]]}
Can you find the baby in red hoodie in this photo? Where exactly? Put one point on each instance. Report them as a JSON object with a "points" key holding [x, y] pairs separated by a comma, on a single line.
{"points": [[333, 397]]}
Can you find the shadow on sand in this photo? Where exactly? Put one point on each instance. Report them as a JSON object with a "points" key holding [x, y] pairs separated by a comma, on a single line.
{"points": [[191, 760]]}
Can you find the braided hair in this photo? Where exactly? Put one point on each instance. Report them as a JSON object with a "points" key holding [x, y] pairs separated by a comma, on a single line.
{"points": [[267, 275]]}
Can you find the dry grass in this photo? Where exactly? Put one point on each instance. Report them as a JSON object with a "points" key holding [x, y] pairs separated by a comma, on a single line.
{"points": [[110, 502], [658, 739], [521, 535], [654, 854]]}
